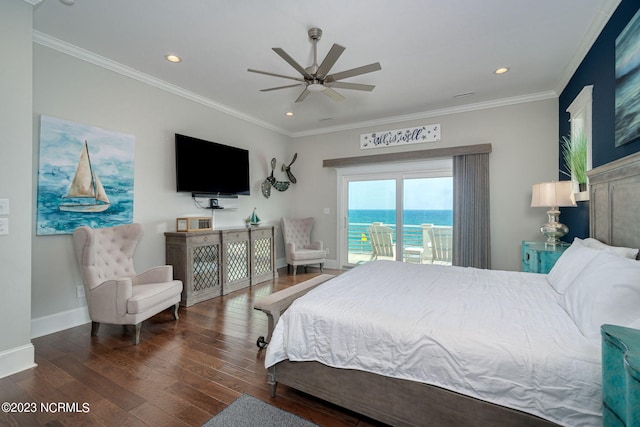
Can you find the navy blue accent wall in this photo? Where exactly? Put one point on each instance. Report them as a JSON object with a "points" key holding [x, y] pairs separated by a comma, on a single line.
{"points": [[597, 69]]}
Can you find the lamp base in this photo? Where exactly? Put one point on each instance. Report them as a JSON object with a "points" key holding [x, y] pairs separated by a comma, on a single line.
{"points": [[553, 229]]}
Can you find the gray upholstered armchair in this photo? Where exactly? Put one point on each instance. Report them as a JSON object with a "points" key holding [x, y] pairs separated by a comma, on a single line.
{"points": [[115, 293], [298, 248]]}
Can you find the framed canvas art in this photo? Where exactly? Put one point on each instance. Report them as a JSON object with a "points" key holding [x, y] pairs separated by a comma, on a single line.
{"points": [[85, 177], [628, 83]]}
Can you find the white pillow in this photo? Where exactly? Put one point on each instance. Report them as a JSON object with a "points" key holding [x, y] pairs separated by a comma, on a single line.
{"points": [[606, 291], [572, 261], [618, 250]]}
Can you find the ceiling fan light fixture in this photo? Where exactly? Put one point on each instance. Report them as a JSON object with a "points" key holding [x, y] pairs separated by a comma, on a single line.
{"points": [[315, 87], [317, 78]]}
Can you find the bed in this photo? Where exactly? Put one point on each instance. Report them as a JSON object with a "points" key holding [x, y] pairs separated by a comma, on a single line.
{"points": [[532, 359]]}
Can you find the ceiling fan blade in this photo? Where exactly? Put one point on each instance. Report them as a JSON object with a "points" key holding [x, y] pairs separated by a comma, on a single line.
{"points": [[354, 72], [284, 55], [275, 75], [303, 95], [280, 87], [352, 86], [329, 60], [333, 94]]}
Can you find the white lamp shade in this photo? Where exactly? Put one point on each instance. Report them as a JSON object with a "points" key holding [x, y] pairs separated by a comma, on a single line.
{"points": [[552, 194]]}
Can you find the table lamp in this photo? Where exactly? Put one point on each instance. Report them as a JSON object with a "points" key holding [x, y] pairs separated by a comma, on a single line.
{"points": [[553, 195]]}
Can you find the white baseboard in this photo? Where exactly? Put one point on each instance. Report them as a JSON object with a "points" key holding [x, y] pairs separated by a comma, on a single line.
{"points": [[17, 359], [58, 322]]}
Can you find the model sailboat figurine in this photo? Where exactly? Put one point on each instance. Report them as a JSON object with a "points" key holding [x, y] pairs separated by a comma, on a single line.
{"points": [[253, 219], [86, 185]]}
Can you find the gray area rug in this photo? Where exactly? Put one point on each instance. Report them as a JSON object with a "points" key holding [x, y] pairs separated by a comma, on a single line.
{"points": [[247, 411]]}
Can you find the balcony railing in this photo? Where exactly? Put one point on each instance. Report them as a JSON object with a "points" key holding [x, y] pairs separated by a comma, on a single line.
{"points": [[359, 242]]}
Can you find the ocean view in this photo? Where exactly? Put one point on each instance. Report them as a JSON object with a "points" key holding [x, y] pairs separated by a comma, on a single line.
{"points": [[361, 219], [411, 217]]}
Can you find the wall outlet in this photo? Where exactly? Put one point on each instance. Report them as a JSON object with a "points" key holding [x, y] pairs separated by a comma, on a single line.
{"points": [[326, 250], [79, 291]]}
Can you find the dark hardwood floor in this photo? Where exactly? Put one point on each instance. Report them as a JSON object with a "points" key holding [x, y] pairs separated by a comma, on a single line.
{"points": [[181, 374]]}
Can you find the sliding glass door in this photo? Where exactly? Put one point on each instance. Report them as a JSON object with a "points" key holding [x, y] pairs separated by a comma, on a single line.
{"points": [[392, 214], [370, 201]]}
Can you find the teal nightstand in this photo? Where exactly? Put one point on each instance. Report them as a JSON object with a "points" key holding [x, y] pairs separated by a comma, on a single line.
{"points": [[539, 257], [620, 376]]}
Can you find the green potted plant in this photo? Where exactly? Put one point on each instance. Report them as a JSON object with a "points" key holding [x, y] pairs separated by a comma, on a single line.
{"points": [[574, 152]]}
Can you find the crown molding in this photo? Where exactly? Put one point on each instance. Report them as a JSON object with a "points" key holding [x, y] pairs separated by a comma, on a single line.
{"points": [[92, 58], [592, 34], [88, 56], [432, 113]]}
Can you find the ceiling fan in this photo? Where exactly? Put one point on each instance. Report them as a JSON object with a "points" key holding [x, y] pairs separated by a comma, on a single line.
{"points": [[316, 78]]}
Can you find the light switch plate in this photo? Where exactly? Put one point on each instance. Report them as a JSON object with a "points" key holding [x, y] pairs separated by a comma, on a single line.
{"points": [[4, 206], [4, 226]]}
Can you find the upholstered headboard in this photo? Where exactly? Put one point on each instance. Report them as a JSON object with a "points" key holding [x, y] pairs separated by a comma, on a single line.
{"points": [[614, 202]]}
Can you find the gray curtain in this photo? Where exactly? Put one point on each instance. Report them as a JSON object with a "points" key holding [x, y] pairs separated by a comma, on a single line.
{"points": [[471, 231]]}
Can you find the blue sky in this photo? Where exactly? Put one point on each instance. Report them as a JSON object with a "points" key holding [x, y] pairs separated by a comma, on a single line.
{"points": [[421, 193]]}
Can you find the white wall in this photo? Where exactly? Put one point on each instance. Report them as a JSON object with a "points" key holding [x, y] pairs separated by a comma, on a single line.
{"points": [[16, 351], [75, 90], [525, 151]]}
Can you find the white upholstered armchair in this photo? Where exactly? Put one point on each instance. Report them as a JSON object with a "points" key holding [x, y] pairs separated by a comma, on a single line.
{"points": [[298, 247], [115, 293]]}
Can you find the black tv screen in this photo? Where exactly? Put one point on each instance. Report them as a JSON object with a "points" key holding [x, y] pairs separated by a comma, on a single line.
{"points": [[209, 168]]}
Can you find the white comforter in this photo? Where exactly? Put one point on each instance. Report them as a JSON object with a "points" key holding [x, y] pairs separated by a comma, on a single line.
{"points": [[495, 335]]}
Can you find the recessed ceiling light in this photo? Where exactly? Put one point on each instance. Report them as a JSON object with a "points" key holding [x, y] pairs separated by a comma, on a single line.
{"points": [[173, 58], [289, 114], [501, 70]]}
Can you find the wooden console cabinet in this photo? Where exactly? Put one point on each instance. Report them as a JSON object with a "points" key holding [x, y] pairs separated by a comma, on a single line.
{"points": [[212, 263]]}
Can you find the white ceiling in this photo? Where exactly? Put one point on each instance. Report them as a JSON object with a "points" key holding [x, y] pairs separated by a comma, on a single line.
{"points": [[430, 51]]}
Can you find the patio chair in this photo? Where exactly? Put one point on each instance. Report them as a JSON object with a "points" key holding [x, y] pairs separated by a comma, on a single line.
{"points": [[442, 243], [381, 241]]}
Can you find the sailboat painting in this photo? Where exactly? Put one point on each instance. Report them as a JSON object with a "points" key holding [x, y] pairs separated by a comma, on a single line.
{"points": [[85, 177], [87, 187]]}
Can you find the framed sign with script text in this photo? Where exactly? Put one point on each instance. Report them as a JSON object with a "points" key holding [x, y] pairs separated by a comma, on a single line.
{"points": [[390, 138]]}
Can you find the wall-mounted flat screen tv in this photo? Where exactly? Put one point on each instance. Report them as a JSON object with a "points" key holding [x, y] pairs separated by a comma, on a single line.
{"points": [[209, 168]]}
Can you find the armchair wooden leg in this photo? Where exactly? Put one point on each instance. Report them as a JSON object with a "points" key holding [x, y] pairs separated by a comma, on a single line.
{"points": [[321, 266], [94, 328], [175, 311], [136, 337]]}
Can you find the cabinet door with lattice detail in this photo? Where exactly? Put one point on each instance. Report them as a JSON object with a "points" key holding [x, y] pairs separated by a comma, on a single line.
{"points": [[196, 261], [262, 254], [235, 260]]}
